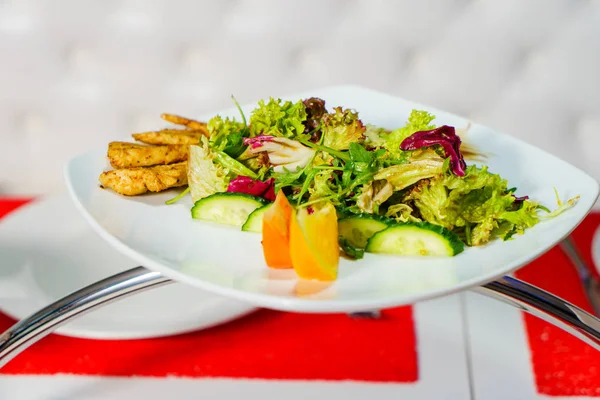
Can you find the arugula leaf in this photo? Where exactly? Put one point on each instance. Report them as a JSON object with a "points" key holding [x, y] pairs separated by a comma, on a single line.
{"points": [[240, 110], [310, 176], [360, 163], [290, 179], [235, 146], [360, 154]]}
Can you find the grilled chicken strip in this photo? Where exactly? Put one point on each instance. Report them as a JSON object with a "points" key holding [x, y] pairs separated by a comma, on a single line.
{"points": [[169, 136], [136, 181], [127, 155], [189, 123]]}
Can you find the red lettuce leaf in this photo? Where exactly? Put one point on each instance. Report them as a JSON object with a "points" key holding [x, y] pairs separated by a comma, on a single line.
{"points": [[245, 184], [258, 141]]}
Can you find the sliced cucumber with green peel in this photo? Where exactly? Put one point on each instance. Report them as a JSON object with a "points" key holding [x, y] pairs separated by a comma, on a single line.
{"points": [[227, 207], [254, 221], [415, 239], [357, 229]]}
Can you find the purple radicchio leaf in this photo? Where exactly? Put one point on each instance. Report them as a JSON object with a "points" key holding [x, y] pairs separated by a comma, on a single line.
{"points": [[446, 137]]}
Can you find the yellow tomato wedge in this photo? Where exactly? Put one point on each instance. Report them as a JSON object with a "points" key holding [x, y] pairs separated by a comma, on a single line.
{"points": [[276, 233], [314, 247]]}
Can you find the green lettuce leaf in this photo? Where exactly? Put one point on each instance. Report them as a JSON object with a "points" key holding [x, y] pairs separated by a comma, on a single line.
{"points": [[431, 198], [257, 162], [418, 120], [374, 194], [480, 201], [482, 232], [278, 119], [340, 128], [323, 187], [423, 164], [217, 127], [227, 135], [373, 136], [231, 164], [402, 213], [523, 218], [206, 176], [360, 167]]}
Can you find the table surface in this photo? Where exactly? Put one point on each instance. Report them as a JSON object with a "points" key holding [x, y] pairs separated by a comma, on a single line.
{"points": [[463, 346]]}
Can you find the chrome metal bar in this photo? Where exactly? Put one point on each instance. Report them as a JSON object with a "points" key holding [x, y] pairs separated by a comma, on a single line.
{"points": [[517, 293], [35, 327], [546, 306], [591, 286]]}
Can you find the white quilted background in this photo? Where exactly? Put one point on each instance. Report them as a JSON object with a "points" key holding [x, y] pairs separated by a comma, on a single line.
{"points": [[76, 74]]}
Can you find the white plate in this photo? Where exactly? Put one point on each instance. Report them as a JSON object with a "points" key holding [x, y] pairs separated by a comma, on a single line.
{"points": [[48, 251], [229, 262]]}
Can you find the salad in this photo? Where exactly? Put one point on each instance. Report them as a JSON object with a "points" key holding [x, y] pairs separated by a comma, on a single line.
{"points": [[319, 182]]}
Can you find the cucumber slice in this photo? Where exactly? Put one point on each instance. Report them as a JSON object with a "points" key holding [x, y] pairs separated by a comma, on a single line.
{"points": [[226, 207], [415, 239], [357, 229], [254, 221]]}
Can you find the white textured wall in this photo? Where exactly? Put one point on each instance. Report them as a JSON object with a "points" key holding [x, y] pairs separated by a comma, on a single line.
{"points": [[76, 74]]}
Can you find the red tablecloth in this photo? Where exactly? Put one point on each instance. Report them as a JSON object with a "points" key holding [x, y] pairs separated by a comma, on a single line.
{"points": [[277, 345], [562, 364]]}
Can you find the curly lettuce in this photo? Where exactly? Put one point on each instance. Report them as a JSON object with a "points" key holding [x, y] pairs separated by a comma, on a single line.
{"points": [[278, 119], [219, 127], [227, 135], [414, 173], [340, 128], [479, 202], [418, 120], [315, 110], [322, 187]]}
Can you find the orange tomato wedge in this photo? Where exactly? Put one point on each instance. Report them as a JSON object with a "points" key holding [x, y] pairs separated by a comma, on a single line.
{"points": [[276, 233], [314, 247]]}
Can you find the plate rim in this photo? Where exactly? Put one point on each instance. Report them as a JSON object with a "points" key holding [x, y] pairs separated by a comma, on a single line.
{"points": [[305, 305]]}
